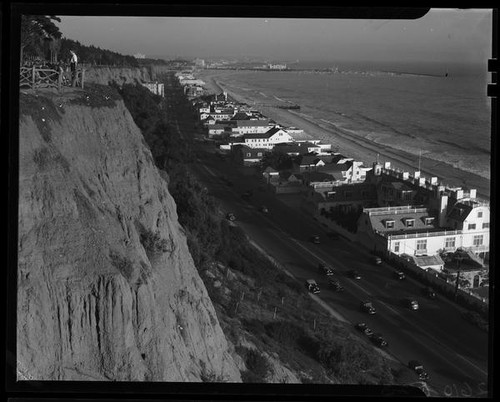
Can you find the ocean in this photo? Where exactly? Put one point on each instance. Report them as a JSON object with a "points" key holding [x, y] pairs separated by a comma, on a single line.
{"points": [[432, 110]]}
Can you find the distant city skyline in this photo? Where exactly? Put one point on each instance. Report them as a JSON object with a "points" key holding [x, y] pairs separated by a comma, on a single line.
{"points": [[447, 35]]}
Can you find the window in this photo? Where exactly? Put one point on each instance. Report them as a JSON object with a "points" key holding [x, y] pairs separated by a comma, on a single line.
{"points": [[449, 242], [472, 226], [389, 224], [406, 195], [480, 214], [259, 153], [410, 222], [249, 154], [396, 247], [421, 245], [330, 195], [486, 225], [478, 240]]}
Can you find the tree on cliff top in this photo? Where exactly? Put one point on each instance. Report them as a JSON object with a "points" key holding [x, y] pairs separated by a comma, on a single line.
{"points": [[34, 29]]}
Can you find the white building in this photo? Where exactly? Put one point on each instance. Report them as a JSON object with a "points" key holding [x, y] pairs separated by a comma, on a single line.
{"points": [[415, 230], [268, 139], [157, 88]]}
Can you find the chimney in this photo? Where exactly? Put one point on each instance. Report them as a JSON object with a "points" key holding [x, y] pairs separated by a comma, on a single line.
{"points": [[387, 165], [459, 194], [434, 181], [443, 205], [417, 174], [406, 175], [421, 181], [473, 193]]}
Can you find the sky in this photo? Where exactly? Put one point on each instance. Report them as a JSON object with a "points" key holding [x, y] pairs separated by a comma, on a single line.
{"points": [[447, 35]]}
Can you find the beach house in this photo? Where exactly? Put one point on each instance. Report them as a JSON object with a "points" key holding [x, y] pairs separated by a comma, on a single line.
{"points": [[268, 139], [416, 230]]}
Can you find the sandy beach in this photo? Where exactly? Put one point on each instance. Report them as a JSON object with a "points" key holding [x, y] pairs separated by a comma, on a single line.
{"points": [[358, 148]]}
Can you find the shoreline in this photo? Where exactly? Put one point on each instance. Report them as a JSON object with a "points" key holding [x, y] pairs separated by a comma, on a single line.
{"points": [[359, 148]]}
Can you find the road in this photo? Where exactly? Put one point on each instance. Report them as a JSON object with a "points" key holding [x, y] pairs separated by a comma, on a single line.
{"points": [[454, 352]]}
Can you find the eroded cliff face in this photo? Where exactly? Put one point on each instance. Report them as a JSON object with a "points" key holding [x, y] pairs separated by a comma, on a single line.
{"points": [[107, 288], [105, 75]]}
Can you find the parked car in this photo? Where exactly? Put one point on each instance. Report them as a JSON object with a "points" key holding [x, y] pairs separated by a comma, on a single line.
{"points": [[230, 216], [399, 275], [418, 368], [361, 326], [312, 286], [355, 274], [367, 307], [315, 239], [336, 285], [428, 292], [376, 260], [264, 209], [379, 340], [324, 269], [412, 304]]}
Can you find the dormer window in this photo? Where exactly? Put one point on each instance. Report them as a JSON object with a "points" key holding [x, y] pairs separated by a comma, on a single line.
{"points": [[410, 222], [429, 220], [389, 224]]}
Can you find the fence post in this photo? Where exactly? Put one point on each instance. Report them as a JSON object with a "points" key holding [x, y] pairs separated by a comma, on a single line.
{"points": [[83, 76], [274, 315], [33, 78], [59, 81]]}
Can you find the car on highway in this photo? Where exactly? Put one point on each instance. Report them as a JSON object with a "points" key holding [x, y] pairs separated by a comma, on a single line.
{"points": [[312, 286], [418, 368], [335, 285], [367, 307], [428, 292], [315, 239], [361, 326], [355, 274], [379, 340], [399, 275], [325, 269], [230, 216], [411, 303]]}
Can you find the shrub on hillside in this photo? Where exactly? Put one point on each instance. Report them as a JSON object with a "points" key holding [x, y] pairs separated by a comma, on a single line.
{"points": [[152, 242], [257, 365], [285, 332]]}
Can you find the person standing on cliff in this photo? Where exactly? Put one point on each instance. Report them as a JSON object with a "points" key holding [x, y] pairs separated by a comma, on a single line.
{"points": [[73, 62]]}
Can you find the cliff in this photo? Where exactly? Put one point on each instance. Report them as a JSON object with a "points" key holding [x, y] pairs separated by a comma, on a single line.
{"points": [[105, 75], [107, 289]]}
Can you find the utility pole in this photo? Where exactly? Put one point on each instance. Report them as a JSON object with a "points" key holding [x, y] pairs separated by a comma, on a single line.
{"points": [[459, 260]]}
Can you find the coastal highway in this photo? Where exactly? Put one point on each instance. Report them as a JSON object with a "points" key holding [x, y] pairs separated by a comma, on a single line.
{"points": [[454, 352]]}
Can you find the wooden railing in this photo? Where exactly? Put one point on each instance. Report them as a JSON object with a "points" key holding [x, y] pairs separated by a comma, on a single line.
{"points": [[35, 78]]}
